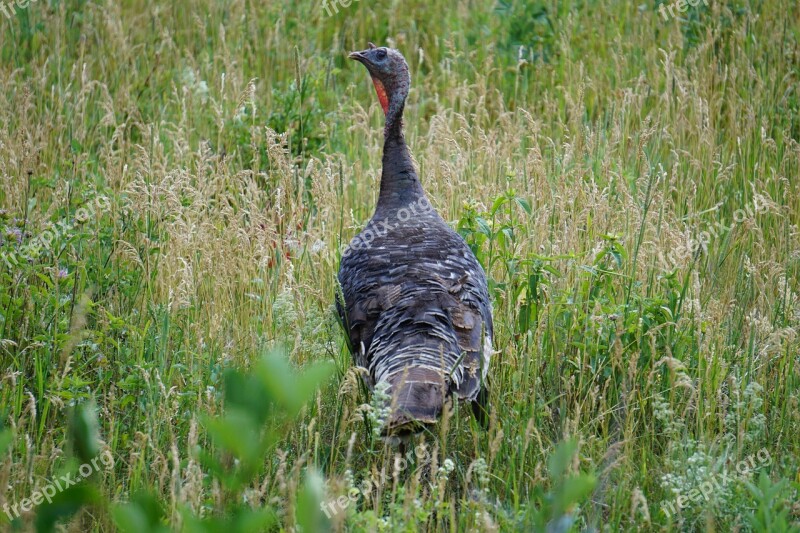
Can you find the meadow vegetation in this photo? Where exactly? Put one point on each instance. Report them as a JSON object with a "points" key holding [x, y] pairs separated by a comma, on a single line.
{"points": [[629, 183]]}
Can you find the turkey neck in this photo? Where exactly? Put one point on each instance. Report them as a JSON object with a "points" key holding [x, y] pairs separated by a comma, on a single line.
{"points": [[400, 185]]}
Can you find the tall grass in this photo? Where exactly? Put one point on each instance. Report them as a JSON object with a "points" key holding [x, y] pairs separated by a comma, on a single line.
{"points": [[581, 148]]}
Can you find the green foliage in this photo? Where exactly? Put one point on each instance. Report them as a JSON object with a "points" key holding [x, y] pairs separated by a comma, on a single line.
{"points": [[297, 110], [83, 432], [79, 490], [557, 509], [142, 513], [65, 505], [258, 407], [527, 24], [772, 505], [576, 144]]}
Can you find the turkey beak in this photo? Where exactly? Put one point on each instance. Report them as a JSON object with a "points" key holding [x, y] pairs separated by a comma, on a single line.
{"points": [[358, 56]]}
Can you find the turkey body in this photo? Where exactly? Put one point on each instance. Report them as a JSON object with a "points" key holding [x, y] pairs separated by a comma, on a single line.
{"points": [[414, 300], [416, 309]]}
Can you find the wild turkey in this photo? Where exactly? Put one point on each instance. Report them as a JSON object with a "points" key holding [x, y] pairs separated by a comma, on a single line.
{"points": [[416, 306]]}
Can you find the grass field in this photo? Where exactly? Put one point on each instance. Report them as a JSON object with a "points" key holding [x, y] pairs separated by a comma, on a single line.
{"points": [[178, 181]]}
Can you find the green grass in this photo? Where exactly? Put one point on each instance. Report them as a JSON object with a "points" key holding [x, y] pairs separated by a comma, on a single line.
{"points": [[629, 183]]}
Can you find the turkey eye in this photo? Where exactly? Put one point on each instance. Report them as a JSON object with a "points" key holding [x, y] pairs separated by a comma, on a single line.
{"points": [[381, 54]]}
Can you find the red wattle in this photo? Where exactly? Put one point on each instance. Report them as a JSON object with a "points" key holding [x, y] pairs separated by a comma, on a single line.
{"points": [[383, 98]]}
